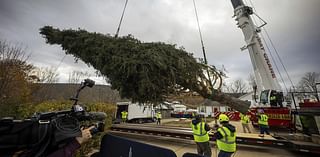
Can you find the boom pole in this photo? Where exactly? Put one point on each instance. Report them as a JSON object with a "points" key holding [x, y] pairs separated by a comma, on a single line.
{"points": [[263, 70]]}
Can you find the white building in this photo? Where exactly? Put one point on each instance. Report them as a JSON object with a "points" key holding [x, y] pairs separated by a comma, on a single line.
{"points": [[177, 106], [208, 108]]}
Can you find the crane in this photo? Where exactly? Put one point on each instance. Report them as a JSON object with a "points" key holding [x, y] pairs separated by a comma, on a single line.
{"points": [[265, 77], [266, 81]]}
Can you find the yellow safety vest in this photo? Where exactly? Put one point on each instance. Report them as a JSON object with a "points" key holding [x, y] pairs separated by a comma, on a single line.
{"points": [[273, 98], [244, 119], [263, 120], [200, 134], [159, 115], [228, 142], [124, 114]]}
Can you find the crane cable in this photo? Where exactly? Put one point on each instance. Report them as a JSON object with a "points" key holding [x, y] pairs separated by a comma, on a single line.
{"points": [[201, 40], [125, 6], [124, 9], [274, 48]]}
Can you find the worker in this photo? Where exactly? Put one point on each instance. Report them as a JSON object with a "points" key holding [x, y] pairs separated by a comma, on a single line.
{"points": [[225, 136], [201, 137], [124, 116], [263, 123], [280, 99], [70, 149], [245, 122], [306, 122], [159, 116], [273, 99]]}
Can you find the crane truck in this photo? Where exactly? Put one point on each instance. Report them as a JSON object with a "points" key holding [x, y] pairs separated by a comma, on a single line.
{"points": [[270, 98]]}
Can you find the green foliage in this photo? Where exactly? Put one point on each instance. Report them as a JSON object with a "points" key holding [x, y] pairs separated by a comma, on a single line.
{"points": [[144, 72]]}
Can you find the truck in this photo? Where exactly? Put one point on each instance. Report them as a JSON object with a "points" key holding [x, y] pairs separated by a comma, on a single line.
{"points": [[137, 112], [267, 93]]}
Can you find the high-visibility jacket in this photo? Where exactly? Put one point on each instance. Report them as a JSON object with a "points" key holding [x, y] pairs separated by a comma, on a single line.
{"points": [[263, 119], [272, 98], [228, 142], [245, 119], [159, 116], [199, 132], [124, 114]]}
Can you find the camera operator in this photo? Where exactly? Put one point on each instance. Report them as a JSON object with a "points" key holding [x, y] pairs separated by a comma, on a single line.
{"points": [[70, 149]]}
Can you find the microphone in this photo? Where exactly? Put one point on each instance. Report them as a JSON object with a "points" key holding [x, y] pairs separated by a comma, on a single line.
{"points": [[99, 116]]}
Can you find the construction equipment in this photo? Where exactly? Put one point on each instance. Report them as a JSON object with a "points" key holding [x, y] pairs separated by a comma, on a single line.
{"points": [[271, 98]]}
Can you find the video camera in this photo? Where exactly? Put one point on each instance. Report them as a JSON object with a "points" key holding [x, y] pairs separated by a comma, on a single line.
{"points": [[46, 132]]}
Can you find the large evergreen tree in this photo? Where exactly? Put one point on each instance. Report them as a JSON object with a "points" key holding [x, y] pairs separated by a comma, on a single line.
{"points": [[143, 72]]}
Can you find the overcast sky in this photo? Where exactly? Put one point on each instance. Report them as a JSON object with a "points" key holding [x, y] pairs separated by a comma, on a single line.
{"points": [[293, 26]]}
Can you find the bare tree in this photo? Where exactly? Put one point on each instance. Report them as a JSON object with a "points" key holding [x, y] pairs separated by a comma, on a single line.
{"points": [[252, 80], [45, 75], [43, 79], [237, 86], [308, 83], [14, 74], [77, 76]]}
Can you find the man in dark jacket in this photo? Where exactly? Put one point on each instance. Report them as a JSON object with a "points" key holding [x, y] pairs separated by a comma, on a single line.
{"points": [[225, 136], [201, 137], [70, 149]]}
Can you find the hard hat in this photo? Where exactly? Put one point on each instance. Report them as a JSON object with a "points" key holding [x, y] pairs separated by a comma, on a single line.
{"points": [[223, 118]]}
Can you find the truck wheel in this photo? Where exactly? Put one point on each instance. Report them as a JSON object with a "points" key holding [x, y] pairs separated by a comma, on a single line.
{"points": [[140, 121]]}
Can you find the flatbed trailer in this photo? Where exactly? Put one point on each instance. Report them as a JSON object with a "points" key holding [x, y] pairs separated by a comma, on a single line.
{"points": [[242, 138]]}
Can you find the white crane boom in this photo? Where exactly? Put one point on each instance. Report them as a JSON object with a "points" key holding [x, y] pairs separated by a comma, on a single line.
{"points": [[265, 76]]}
